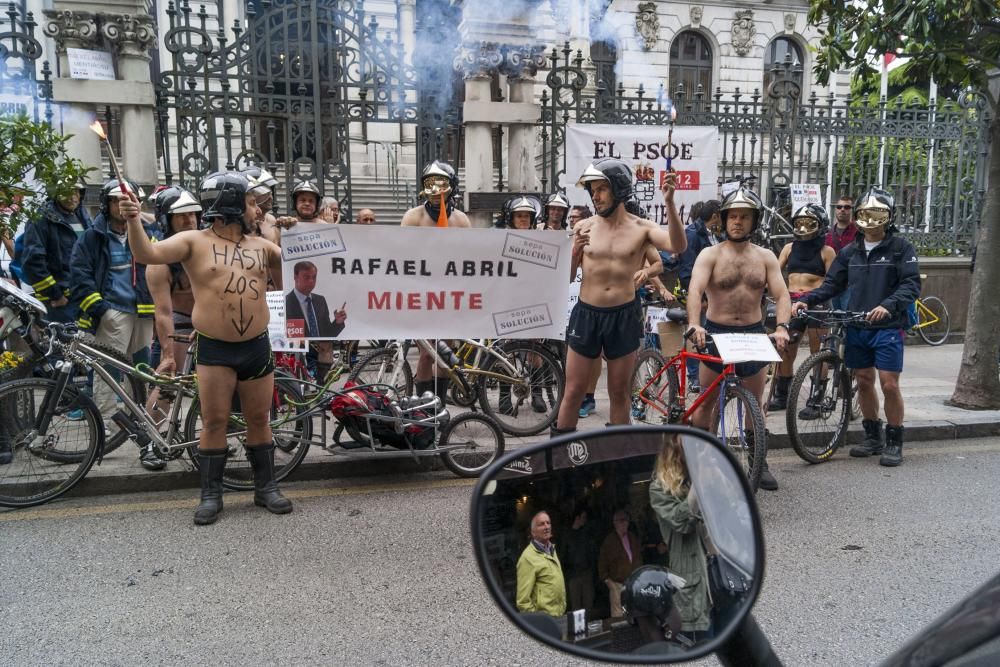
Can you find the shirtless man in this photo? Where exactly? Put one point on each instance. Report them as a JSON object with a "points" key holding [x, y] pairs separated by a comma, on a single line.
{"points": [[228, 269], [733, 275], [807, 260], [439, 187], [607, 319]]}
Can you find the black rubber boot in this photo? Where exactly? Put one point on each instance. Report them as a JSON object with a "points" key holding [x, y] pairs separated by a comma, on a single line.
{"points": [[814, 406], [874, 440], [421, 386], [893, 455], [322, 370], [210, 464], [767, 480], [538, 401], [6, 453], [441, 386], [779, 400], [555, 431], [265, 489]]}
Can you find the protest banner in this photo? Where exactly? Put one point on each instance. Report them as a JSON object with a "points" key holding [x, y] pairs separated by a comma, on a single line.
{"points": [[694, 155], [373, 282]]}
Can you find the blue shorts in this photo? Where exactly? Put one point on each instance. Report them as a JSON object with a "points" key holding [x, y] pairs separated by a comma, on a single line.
{"points": [[881, 348]]}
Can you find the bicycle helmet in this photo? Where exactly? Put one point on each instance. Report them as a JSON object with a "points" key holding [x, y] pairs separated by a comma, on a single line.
{"points": [[874, 209], [170, 201], [649, 591], [223, 196], [522, 204], [111, 190], [742, 197], [809, 222], [616, 173], [555, 200]]}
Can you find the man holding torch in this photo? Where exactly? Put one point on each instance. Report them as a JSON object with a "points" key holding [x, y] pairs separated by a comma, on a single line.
{"points": [[228, 268]]}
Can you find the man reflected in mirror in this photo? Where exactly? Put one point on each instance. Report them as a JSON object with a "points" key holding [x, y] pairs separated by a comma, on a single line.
{"points": [[541, 587], [621, 554]]}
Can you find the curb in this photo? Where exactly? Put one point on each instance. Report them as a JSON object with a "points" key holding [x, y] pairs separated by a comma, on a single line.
{"points": [[337, 467]]}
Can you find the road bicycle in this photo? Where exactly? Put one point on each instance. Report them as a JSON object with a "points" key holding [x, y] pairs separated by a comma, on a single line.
{"points": [[659, 396], [823, 396], [510, 379], [51, 451], [933, 324]]}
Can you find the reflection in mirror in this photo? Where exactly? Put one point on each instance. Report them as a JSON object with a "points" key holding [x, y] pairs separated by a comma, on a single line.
{"points": [[640, 541]]}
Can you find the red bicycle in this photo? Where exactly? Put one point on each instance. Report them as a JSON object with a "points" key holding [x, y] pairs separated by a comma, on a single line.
{"points": [[659, 396]]}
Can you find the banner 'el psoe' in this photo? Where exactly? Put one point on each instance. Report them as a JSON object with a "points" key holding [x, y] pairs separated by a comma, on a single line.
{"points": [[694, 152], [408, 282]]}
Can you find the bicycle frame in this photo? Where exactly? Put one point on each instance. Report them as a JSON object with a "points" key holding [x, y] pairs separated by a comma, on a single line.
{"points": [[679, 362], [925, 316], [453, 373]]}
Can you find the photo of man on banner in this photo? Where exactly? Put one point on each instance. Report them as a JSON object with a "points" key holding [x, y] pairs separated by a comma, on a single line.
{"points": [[307, 314]]}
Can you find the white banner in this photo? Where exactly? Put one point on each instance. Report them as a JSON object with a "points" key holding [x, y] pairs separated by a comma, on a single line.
{"points": [[409, 282], [694, 156]]}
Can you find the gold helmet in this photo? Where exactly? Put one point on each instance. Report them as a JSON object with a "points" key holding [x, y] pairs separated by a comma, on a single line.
{"points": [[874, 209], [438, 178], [809, 222]]}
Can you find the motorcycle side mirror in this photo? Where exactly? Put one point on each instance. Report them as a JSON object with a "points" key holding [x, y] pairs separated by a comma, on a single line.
{"points": [[630, 544]]}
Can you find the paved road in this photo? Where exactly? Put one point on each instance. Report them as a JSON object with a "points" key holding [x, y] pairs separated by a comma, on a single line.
{"points": [[380, 571]]}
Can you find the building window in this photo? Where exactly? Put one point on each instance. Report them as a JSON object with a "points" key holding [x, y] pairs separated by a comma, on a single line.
{"points": [[776, 53], [690, 63], [604, 55]]}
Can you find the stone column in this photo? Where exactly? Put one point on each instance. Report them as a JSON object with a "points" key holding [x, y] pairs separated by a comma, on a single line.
{"points": [[77, 30], [478, 62], [521, 64], [133, 35]]}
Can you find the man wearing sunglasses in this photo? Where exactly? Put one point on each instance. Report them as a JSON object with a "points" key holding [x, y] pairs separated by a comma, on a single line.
{"points": [[841, 235]]}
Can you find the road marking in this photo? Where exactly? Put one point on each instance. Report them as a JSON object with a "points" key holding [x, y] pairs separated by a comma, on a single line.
{"points": [[232, 498]]}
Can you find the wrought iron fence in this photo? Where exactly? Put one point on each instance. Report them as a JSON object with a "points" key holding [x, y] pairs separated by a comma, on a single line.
{"points": [[933, 158], [24, 88]]}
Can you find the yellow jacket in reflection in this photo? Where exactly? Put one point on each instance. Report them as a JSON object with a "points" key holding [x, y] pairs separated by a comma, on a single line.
{"points": [[540, 585]]}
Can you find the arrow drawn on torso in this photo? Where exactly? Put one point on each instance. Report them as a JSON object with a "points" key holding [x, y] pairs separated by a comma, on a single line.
{"points": [[240, 328]]}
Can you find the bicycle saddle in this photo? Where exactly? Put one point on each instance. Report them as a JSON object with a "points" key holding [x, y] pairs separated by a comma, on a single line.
{"points": [[677, 315]]}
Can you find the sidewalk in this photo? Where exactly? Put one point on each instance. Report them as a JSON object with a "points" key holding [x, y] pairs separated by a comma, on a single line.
{"points": [[928, 380]]}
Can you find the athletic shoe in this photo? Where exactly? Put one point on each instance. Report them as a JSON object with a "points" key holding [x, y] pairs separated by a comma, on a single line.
{"points": [[588, 407], [75, 415], [150, 460]]}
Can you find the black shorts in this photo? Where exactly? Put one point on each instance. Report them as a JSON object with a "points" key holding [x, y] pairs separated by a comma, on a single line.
{"points": [[744, 369], [251, 359], [615, 331]]}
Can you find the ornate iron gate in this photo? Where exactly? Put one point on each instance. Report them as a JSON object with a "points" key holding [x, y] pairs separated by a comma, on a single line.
{"points": [[291, 89], [934, 156], [20, 83]]}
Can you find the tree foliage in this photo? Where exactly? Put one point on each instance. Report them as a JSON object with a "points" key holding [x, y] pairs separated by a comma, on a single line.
{"points": [[34, 165]]}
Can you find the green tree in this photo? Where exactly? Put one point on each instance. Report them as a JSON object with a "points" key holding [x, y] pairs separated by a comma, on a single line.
{"points": [[34, 165], [957, 42]]}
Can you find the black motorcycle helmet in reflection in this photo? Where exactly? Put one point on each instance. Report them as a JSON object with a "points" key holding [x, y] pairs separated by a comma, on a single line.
{"points": [[648, 600]]}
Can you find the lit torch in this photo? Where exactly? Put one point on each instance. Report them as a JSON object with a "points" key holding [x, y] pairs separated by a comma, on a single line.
{"points": [[99, 131], [670, 135]]}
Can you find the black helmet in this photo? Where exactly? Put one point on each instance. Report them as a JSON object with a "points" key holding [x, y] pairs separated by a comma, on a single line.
{"points": [[810, 221], [616, 173], [436, 179], [523, 204], [223, 195], [170, 201], [874, 209], [111, 190], [649, 591], [742, 197]]}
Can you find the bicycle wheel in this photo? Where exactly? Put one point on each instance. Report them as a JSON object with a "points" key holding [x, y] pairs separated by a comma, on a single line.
{"points": [[384, 366], [290, 427], [662, 392], [855, 398], [526, 401], [481, 440], [741, 428], [819, 406], [35, 472], [933, 333], [135, 388]]}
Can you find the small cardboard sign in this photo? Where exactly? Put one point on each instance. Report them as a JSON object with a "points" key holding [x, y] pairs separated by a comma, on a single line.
{"points": [[90, 64], [805, 193]]}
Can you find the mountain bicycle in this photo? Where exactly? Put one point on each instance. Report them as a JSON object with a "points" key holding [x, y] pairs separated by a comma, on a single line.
{"points": [[659, 396], [508, 378], [50, 452], [823, 396]]}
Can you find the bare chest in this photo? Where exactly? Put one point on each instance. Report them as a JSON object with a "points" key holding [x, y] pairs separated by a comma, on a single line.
{"points": [[734, 272], [619, 245]]}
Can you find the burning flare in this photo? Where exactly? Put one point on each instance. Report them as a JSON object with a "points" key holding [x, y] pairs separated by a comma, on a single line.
{"points": [[98, 130]]}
